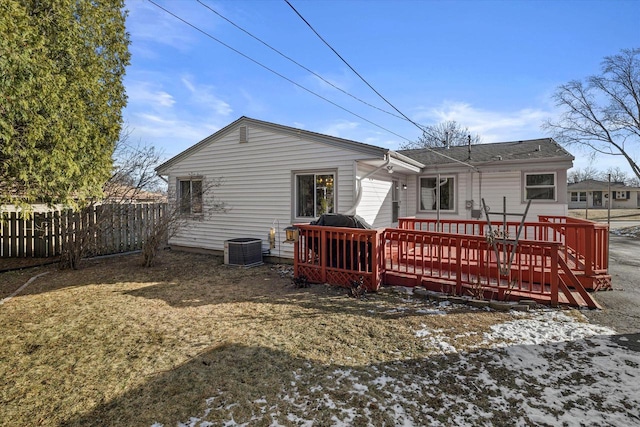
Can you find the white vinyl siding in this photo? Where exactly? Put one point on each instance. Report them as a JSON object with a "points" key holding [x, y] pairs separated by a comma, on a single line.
{"points": [[257, 185], [376, 205], [492, 186]]}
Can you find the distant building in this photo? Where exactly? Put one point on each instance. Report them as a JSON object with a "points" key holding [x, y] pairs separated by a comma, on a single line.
{"points": [[594, 194]]}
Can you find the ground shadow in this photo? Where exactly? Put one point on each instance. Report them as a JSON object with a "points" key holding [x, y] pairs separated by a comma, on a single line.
{"points": [[264, 386]]}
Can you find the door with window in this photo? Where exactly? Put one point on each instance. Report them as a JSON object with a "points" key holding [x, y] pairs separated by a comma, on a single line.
{"points": [[395, 201], [597, 198]]}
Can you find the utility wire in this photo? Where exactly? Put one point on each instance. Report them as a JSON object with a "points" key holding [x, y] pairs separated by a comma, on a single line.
{"points": [[275, 72], [298, 64], [422, 128], [308, 90], [353, 69]]}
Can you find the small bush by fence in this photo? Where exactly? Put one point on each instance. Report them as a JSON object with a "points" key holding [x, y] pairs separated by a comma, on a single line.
{"points": [[113, 228]]}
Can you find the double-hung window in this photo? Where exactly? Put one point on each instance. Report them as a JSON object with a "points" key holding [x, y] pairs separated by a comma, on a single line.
{"points": [[314, 194], [578, 196], [540, 186], [431, 188], [190, 195]]}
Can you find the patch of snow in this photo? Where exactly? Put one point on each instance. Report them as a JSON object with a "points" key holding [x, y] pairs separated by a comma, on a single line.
{"points": [[542, 368]]}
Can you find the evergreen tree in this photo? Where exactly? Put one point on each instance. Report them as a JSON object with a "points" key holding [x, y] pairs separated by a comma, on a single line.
{"points": [[62, 64]]}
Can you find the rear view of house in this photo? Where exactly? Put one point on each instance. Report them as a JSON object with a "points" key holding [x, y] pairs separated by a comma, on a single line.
{"points": [[271, 176]]}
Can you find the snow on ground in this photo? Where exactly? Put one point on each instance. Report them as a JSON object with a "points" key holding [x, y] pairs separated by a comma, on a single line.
{"points": [[633, 231], [541, 368]]}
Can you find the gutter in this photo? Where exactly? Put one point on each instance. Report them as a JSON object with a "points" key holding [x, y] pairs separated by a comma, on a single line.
{"points": [[353, 208]]}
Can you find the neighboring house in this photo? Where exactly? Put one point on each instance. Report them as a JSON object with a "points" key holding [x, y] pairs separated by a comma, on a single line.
{"points": [[594, 194], [273, 176], [125, 194]]}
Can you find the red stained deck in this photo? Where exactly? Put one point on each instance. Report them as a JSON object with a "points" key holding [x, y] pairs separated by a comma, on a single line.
{"points": [[555, 262]]}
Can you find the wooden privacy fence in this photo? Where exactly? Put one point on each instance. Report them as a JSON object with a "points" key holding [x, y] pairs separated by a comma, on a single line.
{"points": [[107, 229]]}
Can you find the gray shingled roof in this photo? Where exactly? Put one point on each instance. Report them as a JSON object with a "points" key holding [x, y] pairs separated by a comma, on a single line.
{"points": [[545, 148], [592, 184]]}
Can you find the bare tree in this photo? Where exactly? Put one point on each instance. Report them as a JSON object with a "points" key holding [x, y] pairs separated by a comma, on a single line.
{"points": [[176, 218], [443, 134], [577, 174], [132, 174], [602, 114], [616, 174]]}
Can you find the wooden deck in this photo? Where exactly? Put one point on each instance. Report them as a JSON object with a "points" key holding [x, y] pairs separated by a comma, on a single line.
{"points": [[551, 270]]}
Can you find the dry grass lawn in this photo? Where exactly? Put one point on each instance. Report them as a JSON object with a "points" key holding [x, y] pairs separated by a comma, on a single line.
{"points": [[116, 344], [602, 214]]}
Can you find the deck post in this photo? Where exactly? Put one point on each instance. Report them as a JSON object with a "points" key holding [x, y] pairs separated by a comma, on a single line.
{"points": [[458, 265], [296, 257], [589, 250], [554, 275], [323, 248], [375, 268]]}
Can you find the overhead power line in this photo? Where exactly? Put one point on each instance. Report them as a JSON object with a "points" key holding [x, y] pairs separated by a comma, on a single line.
{"points": [[297, 63], [422, 128], [309, 90], [275, 72], [353, 69]]}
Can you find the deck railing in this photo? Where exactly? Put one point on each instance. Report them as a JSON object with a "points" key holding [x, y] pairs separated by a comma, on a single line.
{"points": [[339, 255], [585, 242], [459, 259], [462, 264]]}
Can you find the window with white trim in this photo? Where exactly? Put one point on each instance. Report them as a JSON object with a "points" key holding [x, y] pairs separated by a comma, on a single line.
{"points": [[314, 194], [620, 195], [429, 193], [578, 196], [540, 186], [190, 195]]}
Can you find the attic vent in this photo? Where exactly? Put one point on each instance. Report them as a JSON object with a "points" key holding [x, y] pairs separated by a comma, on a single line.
{"points": [[243, 134]]}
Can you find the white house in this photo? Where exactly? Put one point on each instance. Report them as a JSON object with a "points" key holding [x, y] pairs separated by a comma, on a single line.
{"points": [[594, 194], [273, 175]]}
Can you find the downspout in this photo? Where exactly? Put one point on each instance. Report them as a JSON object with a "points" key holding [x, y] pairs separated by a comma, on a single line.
{"points": [[352, 210]]}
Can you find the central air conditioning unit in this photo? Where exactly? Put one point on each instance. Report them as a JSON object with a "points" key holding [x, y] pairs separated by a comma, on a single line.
{"points": [[244, 252]]}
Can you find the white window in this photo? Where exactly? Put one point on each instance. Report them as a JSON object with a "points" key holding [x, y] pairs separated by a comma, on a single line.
{"points": [[540, 186], [190, 195], [314, 194], [429, 190], [578, 196], [620, 195]]}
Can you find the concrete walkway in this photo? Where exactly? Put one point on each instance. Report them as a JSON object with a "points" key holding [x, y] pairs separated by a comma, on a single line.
{"points": [[621, 306]]}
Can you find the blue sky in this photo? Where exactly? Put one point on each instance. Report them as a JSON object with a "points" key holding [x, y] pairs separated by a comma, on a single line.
{"points": [[490, 65]]}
